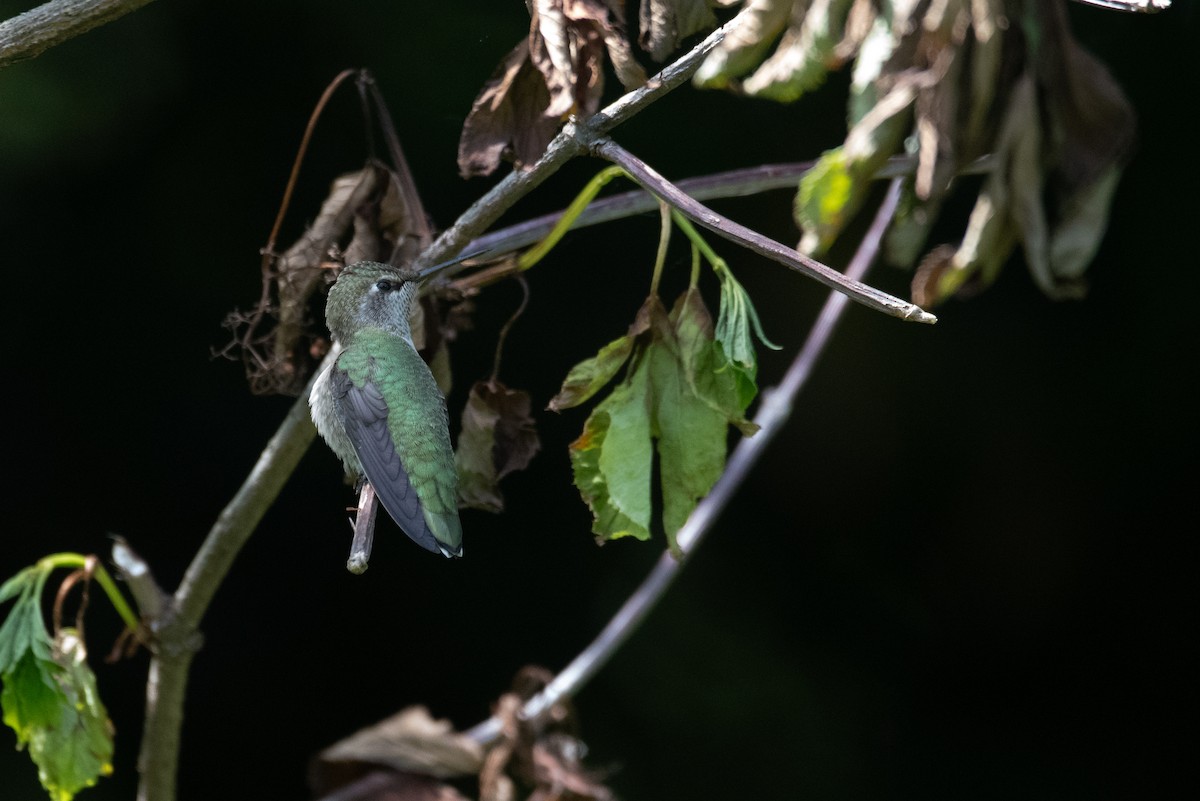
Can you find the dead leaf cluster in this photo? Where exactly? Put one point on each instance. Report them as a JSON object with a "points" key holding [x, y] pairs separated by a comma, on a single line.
{"points": [[413, 757], [558, 71], [364, 217], [950, 81]]}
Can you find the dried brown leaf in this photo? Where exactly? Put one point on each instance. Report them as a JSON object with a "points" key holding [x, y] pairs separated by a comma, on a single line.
{"points": [[507, 117], [558, 70], [409, 741], [498, 437], [666, 23], [559, 772]]}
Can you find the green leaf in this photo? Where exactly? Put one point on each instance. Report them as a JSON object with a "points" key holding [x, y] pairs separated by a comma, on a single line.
{"points": [[737, 322], [49, 693], [679, 397], [587, 378], [832, 192], [31, 698], [726, 387], [77, 750], [23, 631], [498, 437], [612, 460], [690, 431], [18, 584]]}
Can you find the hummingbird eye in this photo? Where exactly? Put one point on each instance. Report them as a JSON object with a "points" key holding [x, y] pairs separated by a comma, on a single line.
{"points": [[384, 285]]}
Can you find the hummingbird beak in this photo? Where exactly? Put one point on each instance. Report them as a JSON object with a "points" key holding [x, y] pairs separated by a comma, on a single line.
{"points": [[428, 271]]}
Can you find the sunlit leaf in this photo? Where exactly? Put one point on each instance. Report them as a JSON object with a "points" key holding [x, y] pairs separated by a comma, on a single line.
{"points": [[804, 55], [745, 43]]}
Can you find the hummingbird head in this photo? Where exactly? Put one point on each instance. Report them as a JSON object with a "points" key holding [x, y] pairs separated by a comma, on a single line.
{"points": [[369, 295]]}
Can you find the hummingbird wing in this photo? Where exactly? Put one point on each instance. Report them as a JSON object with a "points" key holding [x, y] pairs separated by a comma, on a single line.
{"points": [[395, 418]]}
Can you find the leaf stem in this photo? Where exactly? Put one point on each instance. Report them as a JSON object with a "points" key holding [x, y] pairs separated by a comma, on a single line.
{"points": [[698, 241], [568, 217], [664, 242], [78, 561]]}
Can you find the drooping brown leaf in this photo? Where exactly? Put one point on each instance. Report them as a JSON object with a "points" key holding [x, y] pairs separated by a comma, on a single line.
{"points": [[498, 437], [410, 744], [556, 71], [508, 117], [542, 757]]}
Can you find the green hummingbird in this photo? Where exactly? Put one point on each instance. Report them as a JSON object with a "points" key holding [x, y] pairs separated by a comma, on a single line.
{"points": [[380, 410]]}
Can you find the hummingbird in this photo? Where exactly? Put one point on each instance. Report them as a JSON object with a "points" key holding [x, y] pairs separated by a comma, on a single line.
{"points": [[380, 410]]}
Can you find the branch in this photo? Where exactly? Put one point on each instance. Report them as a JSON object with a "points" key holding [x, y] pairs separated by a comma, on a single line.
{"points": [[741, 182], [765, 246], [564, 147], [772, 415], [178, 631], [178, 634], [32, 33]]}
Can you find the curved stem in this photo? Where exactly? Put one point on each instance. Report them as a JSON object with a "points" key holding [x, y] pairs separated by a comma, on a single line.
{"points": [[103, 578]]}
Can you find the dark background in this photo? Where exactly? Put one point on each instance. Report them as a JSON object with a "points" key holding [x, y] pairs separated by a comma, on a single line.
{"points": [[958, 574]]}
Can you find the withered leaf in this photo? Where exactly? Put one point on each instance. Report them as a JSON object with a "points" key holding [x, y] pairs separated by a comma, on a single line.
{"points": [[986, 77], [498, 437], [410, 742], [560, 774], [555, 72], [508, 115]]}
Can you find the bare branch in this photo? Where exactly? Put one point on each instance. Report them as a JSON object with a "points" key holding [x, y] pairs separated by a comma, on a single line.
{"points": [[32, 33], [765, 246], [741, 182]]}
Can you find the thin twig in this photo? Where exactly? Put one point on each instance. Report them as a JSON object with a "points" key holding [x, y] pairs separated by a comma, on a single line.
{"points": [[37, 30], [741, 182], [178, 636], [765, 246], [773, 413]]}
